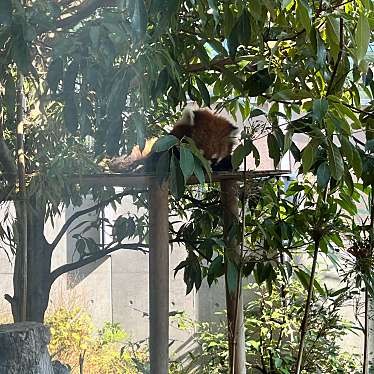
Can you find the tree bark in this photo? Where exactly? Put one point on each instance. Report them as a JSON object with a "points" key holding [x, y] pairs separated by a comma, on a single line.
{"points": [[39, 267], [24, 349]]}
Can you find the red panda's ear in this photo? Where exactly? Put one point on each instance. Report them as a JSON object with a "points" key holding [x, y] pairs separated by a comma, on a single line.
{"points": [[188, 117]]}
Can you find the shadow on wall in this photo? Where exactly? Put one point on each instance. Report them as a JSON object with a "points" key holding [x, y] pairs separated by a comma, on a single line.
{"points": [[76, 276]]}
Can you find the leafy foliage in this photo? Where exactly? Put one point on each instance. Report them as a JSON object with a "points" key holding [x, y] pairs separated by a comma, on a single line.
{"points": [[272, 322], [74, 338]]}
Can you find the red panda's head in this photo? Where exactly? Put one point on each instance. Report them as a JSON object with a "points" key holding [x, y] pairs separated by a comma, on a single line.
{"points": [[213, 134]]}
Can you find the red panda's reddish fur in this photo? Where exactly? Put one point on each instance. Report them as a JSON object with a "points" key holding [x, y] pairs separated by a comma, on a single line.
{"points": [[214, 135]]}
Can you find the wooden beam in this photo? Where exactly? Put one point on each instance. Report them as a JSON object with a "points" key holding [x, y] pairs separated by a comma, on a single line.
{"points": [[159, 278], [141, 180]]}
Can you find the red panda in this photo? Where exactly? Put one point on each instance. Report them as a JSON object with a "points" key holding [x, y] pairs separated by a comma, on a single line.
{"points": [[213, 135]]}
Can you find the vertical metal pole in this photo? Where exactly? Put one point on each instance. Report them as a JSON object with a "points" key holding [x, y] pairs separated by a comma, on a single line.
{"points": [[159, 278], [234, 301], [21, 106]]}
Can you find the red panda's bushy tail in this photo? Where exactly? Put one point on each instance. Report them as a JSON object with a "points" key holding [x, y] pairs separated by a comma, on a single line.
{"points": [[136, 157]]}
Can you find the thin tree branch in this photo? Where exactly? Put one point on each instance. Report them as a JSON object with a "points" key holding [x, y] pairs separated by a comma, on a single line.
{"points": [[76, 215], [218, 65], [304, 323], [340, 54], [94, 257], [358, 110]]}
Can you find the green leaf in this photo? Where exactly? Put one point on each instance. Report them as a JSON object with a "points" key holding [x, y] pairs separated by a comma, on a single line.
{"points": [[240, 33], [263, 272], [55, 73], [5, 12], [240, 152], [177, 183], [333, 34], [303, 15], [346, 149], [203, 161], [319, 48], [304, 278], [308, 155], [256, 155], [187, 162], [259, 82], [165, 143], [344, 111], [238, 156], [198, 171], [356, 163], [274, 148], [323, 175], [216, 269], [335, 161], [320, 108], [203, 91], [362, 37]]}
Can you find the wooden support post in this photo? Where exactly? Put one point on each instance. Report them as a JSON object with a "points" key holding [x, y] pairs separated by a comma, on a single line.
{"points": [[234, 300], [159, 278]]}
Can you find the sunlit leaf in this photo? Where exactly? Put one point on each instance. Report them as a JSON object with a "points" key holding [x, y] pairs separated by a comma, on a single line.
{"points": [[362, 36], [335, 160]]}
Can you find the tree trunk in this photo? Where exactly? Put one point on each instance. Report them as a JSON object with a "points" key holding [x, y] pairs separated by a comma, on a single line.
{"points": [[24, 349], [39, 267]]}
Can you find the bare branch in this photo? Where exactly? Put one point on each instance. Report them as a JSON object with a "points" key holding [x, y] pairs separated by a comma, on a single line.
{"points": [[76, 215], [94, 257]]}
